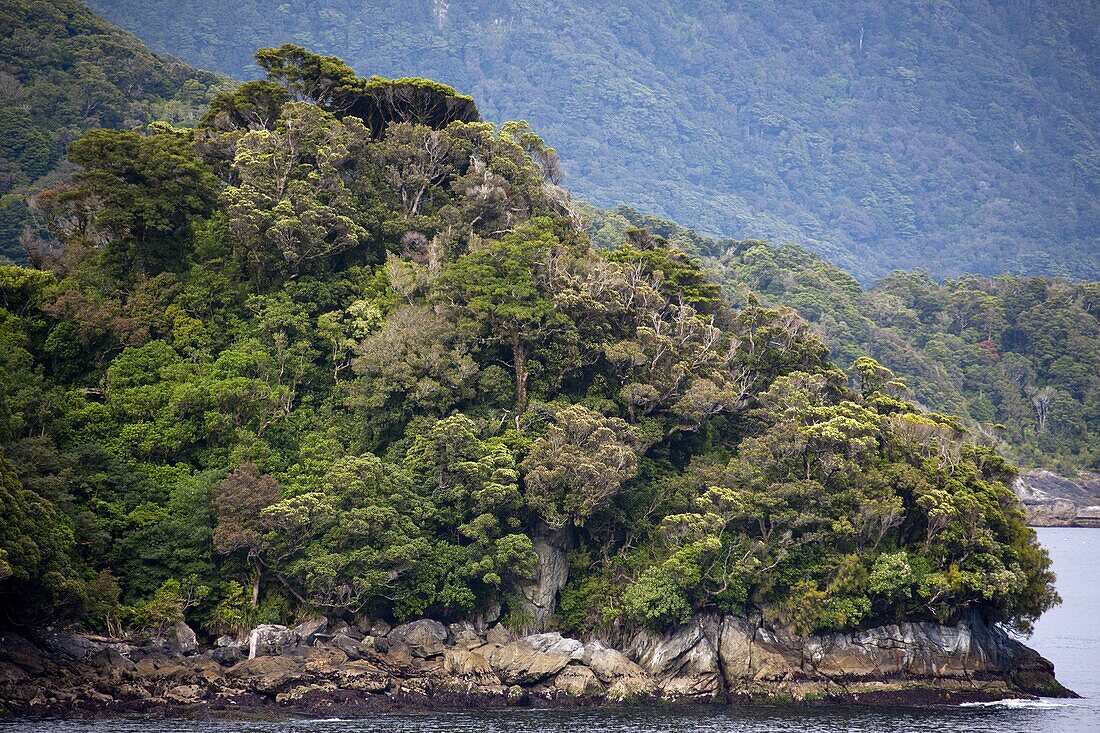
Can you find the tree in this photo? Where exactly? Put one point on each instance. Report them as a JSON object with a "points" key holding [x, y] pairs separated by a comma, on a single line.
{"points": [[238, 503], [142, 195], [293, 208], [502, 288]]}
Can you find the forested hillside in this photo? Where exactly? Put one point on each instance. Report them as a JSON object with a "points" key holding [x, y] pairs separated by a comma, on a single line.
{"points": [[63, 71], [344, 347], [1016, 356], [958, 137]]}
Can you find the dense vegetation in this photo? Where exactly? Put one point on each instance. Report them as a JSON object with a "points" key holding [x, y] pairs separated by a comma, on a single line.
{"points": [[296, 359], [1014, 356], [64, 71], [961, 137]]}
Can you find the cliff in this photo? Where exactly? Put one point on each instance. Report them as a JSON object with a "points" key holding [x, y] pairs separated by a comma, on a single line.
{"points": [[319, 667], [1050, 500]]}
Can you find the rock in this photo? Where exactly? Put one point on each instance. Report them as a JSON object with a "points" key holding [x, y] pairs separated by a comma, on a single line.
{"points": [[518, 663], [226, 641], [684, 660], [578, 681], [21, 652], [71, 645], [309, 629], [379, 628], [363, 677], [267, 675], [343, 627], [112, 658], [555, 643], [623, 677], [488, 617], [185, 694], [464, 634], [463, 663], [424, 638], [540, 595], [181, 638], [269, 640], [226, 655], [499, 635], [325, 660], [353, 648]]}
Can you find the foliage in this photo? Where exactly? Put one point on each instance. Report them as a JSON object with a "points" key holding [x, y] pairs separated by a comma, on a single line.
{"points": [[365, 381]]}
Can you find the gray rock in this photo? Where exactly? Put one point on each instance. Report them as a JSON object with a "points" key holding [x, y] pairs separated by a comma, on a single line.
{"points": [[518, 663], [488, 617], [309, 629], [271, 640], [684, 660], [465, 635], [379, 628], [226, 641], [227, 655], [541, 593], [554, 643], [423, 638], [354, 648], [182, 639], [578, 681], [499, 635]]}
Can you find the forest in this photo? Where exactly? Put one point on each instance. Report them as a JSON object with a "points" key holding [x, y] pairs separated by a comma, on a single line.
{"points": [[1014, 356], [958, 137], [345, 347], [64, 71]]}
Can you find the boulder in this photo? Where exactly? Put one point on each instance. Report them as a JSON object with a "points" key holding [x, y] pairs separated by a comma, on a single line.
{"points": [[379, 628], [185, 694], [353, 648], [555, 643], [182, 639], [227, 655], [271, 640], [499, 635], [310, 628], [21, 652], [464, 634], [111, 657], [487, 617], [267, 675], [623, 677], [424, 638], [467, 664], [518, 663], [72, 646], [578, 681], [363, 677], [226, 641], [684, 660]]}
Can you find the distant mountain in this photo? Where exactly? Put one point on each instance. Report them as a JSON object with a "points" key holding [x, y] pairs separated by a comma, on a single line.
{"points": [[63, 71], [953, 137]]}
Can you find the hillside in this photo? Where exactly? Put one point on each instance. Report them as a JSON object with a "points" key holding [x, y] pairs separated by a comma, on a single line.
{"points": [[1013, 355], [959, 138], [63, 71], [296, 360]]}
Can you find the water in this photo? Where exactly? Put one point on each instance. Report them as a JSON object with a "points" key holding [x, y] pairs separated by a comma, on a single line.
{"points": [[1069, 636]]}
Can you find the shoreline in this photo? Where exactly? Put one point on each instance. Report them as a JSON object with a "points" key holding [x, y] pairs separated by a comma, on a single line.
{"points": [[322, 670]]}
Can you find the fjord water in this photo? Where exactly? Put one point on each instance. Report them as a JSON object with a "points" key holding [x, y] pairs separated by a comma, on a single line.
{"points": [[1068, 635]]}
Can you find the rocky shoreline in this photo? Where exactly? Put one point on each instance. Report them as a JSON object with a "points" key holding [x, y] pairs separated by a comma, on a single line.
{"points": [[1050, 500], [320, 668]]}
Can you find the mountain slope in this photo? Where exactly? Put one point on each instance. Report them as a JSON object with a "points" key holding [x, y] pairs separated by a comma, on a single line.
{"points": [[961, 138], [63, 71]]}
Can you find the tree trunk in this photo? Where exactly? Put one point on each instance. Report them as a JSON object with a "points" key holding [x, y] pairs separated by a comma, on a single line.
{"points": [[519, 357], [256, 589]]}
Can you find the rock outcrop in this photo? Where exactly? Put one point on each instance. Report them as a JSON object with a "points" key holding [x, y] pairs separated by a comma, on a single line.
{"points": [[711, 658], [1050, 500]]}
